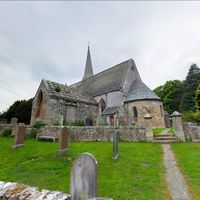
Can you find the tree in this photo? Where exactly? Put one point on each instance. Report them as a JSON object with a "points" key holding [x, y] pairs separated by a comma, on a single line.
{"points": [[170, 95], [189, 88], [19, 109], [197, 98]]}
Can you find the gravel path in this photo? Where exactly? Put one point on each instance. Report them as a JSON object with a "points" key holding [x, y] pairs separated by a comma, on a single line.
{"points": [[176, 184]]}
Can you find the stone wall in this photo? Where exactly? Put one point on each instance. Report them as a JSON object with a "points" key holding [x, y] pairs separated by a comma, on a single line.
{"points": [[14, 191], [2, 126], [192, 131], [152, 107], [96, 133]]}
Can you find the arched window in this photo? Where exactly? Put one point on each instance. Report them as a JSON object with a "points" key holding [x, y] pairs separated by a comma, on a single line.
{"points": [[135, 112], [102, 106], [161, 110], [39, 109]]}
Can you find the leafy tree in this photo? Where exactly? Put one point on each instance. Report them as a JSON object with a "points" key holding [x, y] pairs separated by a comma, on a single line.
{"points": [[19, 109], [170, 95], [197, 98], [189, 88]]}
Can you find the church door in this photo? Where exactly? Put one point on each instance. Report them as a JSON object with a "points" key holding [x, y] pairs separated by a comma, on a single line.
{"points": [[111, 120]]}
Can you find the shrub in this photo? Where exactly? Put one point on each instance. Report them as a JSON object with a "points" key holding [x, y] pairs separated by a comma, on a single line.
{"points": [[32, 133], [39, 123], [57, 88], [191, 116], [7, 132], [77, 122]]}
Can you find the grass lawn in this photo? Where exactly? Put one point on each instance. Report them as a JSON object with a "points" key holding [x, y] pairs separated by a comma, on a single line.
{"points": [[137, 174], [188, 157]]}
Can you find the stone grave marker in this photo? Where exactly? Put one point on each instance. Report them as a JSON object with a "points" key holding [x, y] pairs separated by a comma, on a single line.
{"points": [[115, 144], [19, 136], [149, 132], [83, 178], [63, 140], [14, 121]]}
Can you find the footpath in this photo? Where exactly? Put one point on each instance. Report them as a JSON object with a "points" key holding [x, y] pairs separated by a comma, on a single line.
{"points": [[175, 180]]}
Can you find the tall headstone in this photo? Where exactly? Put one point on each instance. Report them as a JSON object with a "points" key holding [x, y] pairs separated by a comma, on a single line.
{"points": [[115, 144], [149, 133], [178, 125], [19, 136], [83, 178], [13, 122], [63, 140]]}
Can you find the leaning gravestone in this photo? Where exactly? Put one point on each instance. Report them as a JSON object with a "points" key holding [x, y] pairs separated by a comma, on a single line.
{"points": [[83, 178], [63, 140], [19, 136], [115, 144]]}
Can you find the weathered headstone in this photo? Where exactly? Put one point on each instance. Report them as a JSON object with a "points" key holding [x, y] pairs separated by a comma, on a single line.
{"points": [[149, 133], [61, 121], [19, 136], [178, 125], [83, 178], [115, 144], [14, 121], [63, 140]]}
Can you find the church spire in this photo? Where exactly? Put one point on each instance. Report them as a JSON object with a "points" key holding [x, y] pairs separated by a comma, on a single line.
{"points": [[88, 66]]}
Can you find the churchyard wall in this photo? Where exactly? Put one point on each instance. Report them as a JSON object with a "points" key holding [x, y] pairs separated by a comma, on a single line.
{"points": [[87, 133], [192, 131]]}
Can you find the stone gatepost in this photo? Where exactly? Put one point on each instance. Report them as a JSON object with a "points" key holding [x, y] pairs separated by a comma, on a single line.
{"points": [[63, 140], [115, 144], [149, 133], [177, 125], [19, 136]]}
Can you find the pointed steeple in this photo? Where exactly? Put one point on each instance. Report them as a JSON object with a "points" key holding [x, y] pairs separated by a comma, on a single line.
{"points": [[88, 66]]}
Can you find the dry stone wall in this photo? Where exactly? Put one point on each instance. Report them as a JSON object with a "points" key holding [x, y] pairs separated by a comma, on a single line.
{"points": [[192, 131], [14, 191], [96, 133]]}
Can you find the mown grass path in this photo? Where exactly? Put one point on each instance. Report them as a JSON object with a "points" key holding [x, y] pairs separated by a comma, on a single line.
{"points": [[137, 174], [188, 158]]}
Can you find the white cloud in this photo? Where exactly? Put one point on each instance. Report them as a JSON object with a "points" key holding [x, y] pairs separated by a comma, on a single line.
{"points": [[48, 39]]}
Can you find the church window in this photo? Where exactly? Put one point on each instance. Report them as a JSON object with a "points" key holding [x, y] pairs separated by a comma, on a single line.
{"points": [[135, 112], [102, 106], [161, 110]]}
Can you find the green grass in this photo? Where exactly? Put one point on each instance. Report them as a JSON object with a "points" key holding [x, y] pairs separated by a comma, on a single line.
{"points": [[188, 157], [137, 174], [157, 130]]}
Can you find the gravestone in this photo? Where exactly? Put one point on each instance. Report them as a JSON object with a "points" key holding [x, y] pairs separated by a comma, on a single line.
{"points": [[19, 136], [178, 125], [63, 140], [115, 144], [61, 121], [14, 121], [83, 178]]}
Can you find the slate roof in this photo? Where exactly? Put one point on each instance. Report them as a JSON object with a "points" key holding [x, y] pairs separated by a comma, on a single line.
{"points": [[106, 81], [110, 110], [139, 91], [67, 93]]}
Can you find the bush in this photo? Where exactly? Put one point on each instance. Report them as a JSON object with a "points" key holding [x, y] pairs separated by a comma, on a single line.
{"points": [[7, 132], [191, 117], [39, 123], [77, 122], [157, 130], [32, 133]]}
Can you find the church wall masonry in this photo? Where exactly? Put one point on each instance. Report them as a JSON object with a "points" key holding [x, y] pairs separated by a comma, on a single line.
{"points": [[154, 108]]}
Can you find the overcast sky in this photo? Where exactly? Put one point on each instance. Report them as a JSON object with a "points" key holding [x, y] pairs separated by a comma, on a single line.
{"points": [[48, 40]]}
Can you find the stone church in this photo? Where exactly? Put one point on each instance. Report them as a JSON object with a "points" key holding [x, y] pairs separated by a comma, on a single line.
{"points": [[114, 97]]}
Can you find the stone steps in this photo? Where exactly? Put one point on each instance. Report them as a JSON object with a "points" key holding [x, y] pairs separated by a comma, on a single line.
{"points": [[164, 139]]}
